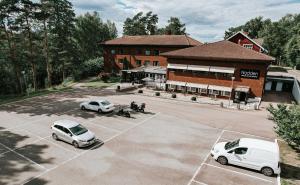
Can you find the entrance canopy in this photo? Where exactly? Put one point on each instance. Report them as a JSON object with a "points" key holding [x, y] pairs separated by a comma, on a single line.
{"points": [[201, 86], [176, 83], [219, 88], [244, 89]]}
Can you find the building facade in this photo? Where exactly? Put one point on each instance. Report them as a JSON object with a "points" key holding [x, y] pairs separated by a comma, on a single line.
{"points": [[130, 52], [221, 69], [244, 40]]}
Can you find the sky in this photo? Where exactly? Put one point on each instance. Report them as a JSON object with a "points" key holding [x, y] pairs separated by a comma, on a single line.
{"points": [[206, 20]]}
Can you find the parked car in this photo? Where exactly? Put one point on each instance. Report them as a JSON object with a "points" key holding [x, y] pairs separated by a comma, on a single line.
{"points": [[73, 133], [250, 153], [98, 105]]}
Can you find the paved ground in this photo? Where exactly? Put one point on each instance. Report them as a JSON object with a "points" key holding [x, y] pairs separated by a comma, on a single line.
{"points": [[168, 145]]}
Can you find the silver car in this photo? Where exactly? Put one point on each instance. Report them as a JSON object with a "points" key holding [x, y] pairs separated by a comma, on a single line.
{"points": [[73, 133], [97, 105]]}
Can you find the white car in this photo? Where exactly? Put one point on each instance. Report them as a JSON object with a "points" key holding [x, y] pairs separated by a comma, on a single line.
{"points": [[73, 133], [249, 153], [97, 105]]}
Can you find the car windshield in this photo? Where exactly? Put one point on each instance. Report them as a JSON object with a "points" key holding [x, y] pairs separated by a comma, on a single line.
{"points": [[78, 130], [230, 145], [105, 103]]}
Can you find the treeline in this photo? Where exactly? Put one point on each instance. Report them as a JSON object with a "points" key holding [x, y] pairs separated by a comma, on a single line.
{"points": [[141, 24], [42, 43], [281, 38]]}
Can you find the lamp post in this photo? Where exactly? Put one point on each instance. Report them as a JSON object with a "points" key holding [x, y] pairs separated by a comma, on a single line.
{"points": [[232, 79]]}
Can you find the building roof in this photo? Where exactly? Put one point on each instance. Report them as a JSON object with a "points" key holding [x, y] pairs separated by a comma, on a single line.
{"points": [[258, 41], [159, 40], [221, 50]]}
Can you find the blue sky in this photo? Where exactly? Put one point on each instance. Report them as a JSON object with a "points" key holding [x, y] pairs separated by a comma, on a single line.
{"points": [[206, 20]]}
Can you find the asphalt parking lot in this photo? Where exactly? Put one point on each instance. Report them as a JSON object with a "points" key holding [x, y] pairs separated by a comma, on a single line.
{"points": [[168, 144]]}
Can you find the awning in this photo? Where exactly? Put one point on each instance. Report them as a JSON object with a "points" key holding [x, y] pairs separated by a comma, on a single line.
{"points": [[147, 79], [220, 88], [175, 83], [245, 89], [177, 66], [198, 68], [201, 86], [222, 69]]}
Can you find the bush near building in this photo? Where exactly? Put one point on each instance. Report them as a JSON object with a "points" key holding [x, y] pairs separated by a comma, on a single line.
{"points": [[287, 119]]}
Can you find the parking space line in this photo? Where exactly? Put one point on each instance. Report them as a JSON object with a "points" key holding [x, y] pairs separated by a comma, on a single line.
{"points": [[199, 168], [233, 171], [199, 182], [247, 134], [17, 148], [101, 126], [23, 156], [82, 153]]}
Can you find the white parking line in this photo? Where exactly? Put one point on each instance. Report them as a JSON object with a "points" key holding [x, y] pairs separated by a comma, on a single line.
{"points": [[233, 171], [197, 171], [247, 134], [23, 156], [76, 156], [101, 126], [199, 182]]}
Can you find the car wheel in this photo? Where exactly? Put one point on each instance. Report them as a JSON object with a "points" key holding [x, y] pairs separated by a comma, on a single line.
{"points": [[267, 171], [222, 160], [99, 111], [54, 136], [82, 107], [75, 144]]}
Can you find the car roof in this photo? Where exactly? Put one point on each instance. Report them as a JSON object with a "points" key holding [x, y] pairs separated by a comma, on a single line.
{"points": [[259, 144], [66, 123], [98, 100]]}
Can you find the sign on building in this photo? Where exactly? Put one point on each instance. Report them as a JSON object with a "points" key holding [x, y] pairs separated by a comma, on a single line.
{"points": [[249, 73]]}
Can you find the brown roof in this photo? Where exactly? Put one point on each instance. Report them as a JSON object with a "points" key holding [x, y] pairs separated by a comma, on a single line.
{"points": [[165, 40], [222, 50]]}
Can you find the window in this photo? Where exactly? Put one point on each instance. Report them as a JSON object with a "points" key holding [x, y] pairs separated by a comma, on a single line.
{"points": [[240, 151], [147, 62], [147, 52], [156, 52], [66, 131], [58, 127], [113, 51], [155, 63], [225, 93], [192, 89], [94, 103], [121, 51], [139, 52], [214, 92], [248, 46], [138, 62], [204, 91], [171, 86]]}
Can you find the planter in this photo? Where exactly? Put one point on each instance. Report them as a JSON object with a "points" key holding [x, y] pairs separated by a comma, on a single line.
{"points": [[193, 98], [140, 91], [157, 93], [174, 96]]}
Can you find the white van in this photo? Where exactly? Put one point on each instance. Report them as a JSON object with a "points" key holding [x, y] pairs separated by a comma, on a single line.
{"points": [[250, 153]]}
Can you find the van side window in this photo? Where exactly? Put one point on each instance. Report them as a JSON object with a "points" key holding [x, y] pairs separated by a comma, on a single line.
{"points": [[240, 151]]}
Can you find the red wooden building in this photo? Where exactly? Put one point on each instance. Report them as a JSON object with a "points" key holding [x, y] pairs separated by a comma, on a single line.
{"points": [[244, 40]]}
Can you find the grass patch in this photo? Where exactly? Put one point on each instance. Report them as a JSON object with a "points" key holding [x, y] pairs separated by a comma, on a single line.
{"points": [[290, 164], [97, 83]]}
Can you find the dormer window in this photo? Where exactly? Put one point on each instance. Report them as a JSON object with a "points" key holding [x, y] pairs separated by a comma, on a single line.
{"points": [[248, 46]]}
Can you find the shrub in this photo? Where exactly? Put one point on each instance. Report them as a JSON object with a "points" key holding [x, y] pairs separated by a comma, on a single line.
{"points": [[193, 98], [140, 91], [104, 77], [222, 104], [157, 93], [287, 119], [88, 68], [173, 95]]}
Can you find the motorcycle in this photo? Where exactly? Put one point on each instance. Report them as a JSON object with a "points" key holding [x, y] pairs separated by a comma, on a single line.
{"points": [[123, 112], [134, 106]]}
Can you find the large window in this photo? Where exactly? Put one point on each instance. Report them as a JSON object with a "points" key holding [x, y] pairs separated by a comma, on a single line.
{"points": [[147, 52], [121, 51], [214, 92], [138, 62], [225, 93], [156, 52], [113, 51], [155, 63], [139, 52], [147, 63]]}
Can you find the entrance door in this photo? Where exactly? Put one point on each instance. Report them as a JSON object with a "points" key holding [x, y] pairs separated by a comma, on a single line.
{"points": [[274, 85], [279, 86]]}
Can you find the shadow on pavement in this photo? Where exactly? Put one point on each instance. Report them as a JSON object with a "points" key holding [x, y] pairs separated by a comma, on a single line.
{"points": [[13, 165]]}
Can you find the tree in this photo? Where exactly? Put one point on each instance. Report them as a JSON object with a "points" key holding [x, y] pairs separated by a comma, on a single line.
{"points": [[175, 27], [287, 119], [141, 24], [292, 48], [90, 30]]}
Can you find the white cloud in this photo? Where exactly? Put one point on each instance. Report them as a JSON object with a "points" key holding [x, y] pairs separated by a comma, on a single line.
{"points": [[205, 20]]}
